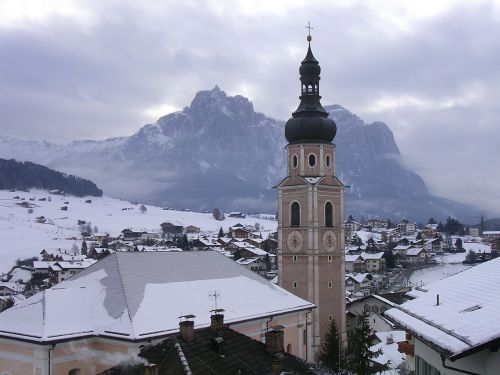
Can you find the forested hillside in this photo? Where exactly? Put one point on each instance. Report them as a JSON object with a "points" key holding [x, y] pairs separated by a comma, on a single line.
{"points": [[27, 175]]}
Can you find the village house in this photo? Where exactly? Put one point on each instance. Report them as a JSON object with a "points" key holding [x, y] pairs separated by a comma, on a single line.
{"points": [[238, 231], [452, 324], [354, 264], [377, 223], [62, 270], [491, 235], [434, 245], [406, 227], [238, 215], [192, 229], [130, 299], [376, 305], [358, 283], [416, 255], [171, 230], [130, 235], [375, 262], [257, 265]]}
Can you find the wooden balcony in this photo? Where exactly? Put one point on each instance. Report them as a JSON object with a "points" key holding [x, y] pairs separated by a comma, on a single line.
{"points": [[406, 348]]}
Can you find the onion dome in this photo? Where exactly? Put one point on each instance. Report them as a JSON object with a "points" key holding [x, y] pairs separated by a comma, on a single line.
{"points": [[310, 122]]}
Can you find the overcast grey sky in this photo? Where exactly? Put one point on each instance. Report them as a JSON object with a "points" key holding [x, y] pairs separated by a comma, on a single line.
{"points": [[429, 69]]}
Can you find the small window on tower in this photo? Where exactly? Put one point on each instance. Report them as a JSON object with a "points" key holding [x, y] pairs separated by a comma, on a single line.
{"points": [[327, 161], [294, 284], [312, 160], [330, 284], [330, 258], [295, 215], [295, 161], [328, 214], [295, 258]]}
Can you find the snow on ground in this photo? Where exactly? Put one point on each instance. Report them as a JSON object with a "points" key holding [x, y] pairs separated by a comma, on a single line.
{"points": [[22, 237], [428, 275]]}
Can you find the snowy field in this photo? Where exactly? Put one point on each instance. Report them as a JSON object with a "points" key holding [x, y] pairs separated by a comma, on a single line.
{"points": [[22, 237], [450, 264]]}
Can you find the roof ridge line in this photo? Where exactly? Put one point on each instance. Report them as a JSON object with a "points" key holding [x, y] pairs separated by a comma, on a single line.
{"points": [[124, 294]]}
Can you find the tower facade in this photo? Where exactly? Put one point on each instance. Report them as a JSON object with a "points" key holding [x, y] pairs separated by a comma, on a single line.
{"points": [[311, 211]]}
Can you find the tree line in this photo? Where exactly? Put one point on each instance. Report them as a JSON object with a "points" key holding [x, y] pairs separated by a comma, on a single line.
{"points": [[27, 175]]}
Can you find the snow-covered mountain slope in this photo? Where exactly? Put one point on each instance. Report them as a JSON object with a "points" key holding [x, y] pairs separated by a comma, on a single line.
{"points": [[219, 152], [21, 236]]}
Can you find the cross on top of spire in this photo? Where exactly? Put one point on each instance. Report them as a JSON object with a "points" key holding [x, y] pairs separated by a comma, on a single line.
{"points": [[308, 26]]}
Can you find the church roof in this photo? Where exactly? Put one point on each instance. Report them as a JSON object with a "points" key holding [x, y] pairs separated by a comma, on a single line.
{"points": [[310, 122], [140, 295]]}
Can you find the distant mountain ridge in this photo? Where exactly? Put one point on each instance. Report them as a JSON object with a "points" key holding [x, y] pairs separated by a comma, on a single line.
{"points": [[27, 175], [219, 152]]}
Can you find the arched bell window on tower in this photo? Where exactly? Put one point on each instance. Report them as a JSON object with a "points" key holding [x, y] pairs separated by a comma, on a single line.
{"points": [[295, 214], [295, 161], [312, 160], [328, 161], [328, 214]]}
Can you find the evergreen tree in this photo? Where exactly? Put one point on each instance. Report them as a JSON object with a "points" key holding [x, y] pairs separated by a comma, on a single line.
{"points": [[183, 242], [390, 259], [142, 208], [236, 255], [361, 355], [84, 250], [7, 304], [459, 246], [471, 257], [330, 354], [221, 233]]}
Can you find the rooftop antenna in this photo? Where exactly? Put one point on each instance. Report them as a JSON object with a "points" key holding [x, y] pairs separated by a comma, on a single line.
{"points": [[308, 26], [215, 296]]}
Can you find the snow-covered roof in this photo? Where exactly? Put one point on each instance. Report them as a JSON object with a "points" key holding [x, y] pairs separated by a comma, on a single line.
{"points": [[491, 232], [358, 277], [350, 258], [140, 295], [390, 354], [414, 251], [247, 261], [467, 313], [313, 180], [373, 256]]}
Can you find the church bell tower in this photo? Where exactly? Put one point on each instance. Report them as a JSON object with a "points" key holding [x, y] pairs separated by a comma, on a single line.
{"points": [[311, 211]]}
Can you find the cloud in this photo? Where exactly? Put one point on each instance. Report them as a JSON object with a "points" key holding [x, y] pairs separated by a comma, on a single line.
{"points": [[93, 69]]}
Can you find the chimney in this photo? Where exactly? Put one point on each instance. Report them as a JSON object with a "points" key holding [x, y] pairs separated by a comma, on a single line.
{"points": [[277, 364], [274, 340], [217, 322], [186, 328], [217, 345], [390, 339]]}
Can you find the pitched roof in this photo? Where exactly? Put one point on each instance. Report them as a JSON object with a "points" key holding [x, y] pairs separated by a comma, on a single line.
{"points": [[467, 314], [373, 256], [139, 295], [241, 355]]}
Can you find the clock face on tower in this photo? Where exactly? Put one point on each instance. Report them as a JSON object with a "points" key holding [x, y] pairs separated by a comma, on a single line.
{"points": [[295, 241], [329, 241]]}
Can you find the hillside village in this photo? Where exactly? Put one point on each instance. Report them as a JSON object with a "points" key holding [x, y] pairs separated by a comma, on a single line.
{"points": [[379, 256]]}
